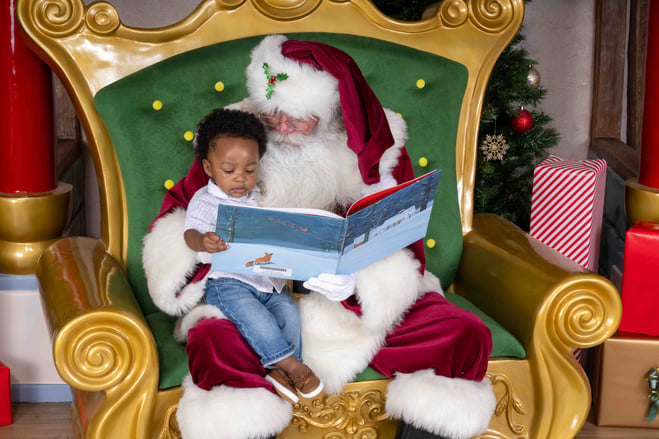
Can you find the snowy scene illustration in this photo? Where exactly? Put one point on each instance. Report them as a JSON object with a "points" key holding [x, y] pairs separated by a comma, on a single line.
{"points": [[290, 244]]}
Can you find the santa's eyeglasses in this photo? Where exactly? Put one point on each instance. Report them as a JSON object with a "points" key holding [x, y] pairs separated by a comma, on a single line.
{"points": [[275, 120]]}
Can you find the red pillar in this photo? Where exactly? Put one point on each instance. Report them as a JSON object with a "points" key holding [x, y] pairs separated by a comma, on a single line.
{"points": [[27, 155], [649, 166]]}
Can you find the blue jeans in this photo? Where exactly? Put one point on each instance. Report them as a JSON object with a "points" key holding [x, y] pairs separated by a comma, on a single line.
{"points": [[270, 322]]}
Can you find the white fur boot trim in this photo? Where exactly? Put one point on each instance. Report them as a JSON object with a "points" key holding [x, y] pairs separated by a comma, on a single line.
{"points": [[168, 262], [230, 413], [190, 320], [451, 407]]}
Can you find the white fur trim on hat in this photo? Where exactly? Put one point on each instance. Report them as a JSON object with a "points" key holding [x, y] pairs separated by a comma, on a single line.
{"points": [[230, 413], [451, 407], [306, 92], [168, 262]]}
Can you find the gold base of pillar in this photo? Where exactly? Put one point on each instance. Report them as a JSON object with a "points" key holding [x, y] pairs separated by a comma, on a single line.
{"points": [[28, 224], [641, 202]]}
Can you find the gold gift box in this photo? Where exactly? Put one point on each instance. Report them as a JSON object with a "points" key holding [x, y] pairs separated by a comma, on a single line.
{"points": [[621, 390]]}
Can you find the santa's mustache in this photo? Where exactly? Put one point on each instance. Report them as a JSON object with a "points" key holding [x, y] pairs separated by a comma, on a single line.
{"points": [[296, 140]]}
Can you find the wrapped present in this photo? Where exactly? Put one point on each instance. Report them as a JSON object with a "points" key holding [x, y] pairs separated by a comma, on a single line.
{"points": [[5, 396], [567, 205], [640, 283], [626, 382]]}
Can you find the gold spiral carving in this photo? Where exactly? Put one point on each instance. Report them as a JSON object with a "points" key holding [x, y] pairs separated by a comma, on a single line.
{"points": [[491, 16], [350, 414], [580, 318], [286, 9], [509, 403], [453, 13], [99, 355], [57, 18], [102, 18]]}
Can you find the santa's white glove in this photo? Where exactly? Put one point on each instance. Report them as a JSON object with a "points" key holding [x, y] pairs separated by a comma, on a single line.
{"points": [[335, 287]]}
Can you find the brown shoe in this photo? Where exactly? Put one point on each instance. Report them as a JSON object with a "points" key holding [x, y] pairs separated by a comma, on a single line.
{"points": [[308, 383], [283, 385]]}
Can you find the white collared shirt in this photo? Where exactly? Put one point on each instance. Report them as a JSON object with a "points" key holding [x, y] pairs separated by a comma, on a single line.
{"points": [[201, 215]]}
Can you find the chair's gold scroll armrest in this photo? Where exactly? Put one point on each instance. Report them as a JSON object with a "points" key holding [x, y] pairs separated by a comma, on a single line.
{"points": [[101, 341], [536, 293]]}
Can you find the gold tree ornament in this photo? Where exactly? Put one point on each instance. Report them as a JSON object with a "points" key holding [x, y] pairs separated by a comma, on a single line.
{"points": [[533, 78], [494, 147]]}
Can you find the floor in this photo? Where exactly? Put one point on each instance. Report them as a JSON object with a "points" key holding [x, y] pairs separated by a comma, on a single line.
{"points": [[52, 421]]}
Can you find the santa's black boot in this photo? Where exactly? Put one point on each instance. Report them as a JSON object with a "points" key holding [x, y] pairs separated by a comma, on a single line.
{"points": [[407, 431]]}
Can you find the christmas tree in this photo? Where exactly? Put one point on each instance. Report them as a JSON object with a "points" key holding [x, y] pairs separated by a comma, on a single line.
{"points": [[514, 135]]}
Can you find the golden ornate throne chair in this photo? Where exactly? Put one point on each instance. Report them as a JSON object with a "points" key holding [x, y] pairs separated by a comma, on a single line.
{"points": [[138, 92]]}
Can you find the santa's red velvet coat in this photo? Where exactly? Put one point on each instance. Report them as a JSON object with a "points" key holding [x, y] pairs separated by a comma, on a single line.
{"points": [[397, 322]]}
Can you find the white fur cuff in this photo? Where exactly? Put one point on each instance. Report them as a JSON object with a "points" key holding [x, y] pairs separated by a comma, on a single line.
{"points": [[387, 288], [451, 407], [168, 263]]}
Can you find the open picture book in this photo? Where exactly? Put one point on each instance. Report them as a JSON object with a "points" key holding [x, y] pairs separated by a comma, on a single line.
{"points": [[303, 243]]}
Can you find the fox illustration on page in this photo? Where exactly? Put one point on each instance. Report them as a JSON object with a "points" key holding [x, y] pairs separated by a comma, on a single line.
{"points": [[260, 261]]}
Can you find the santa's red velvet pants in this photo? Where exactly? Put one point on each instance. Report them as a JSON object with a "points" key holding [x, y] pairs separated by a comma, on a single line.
{"points": [[434, 334]]}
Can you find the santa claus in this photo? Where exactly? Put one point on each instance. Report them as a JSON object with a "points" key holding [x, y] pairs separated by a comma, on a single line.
{"points": [[330, 143]]}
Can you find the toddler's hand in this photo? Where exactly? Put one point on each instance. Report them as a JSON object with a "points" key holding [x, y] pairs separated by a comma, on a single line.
{"points": [[213, 243]]}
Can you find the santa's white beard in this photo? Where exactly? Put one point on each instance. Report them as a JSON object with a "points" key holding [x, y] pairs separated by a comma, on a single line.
{"points": [[317, 171]]}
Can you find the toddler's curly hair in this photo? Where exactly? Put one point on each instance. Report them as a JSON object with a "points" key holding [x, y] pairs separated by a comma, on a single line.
{"points": [[223, 122]]}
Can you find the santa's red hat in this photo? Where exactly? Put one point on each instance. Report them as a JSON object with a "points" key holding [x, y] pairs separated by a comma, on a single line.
{"points": [[305, 79]]}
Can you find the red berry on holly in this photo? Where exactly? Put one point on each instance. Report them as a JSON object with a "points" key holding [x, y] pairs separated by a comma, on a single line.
{"points": [[272, 79]]}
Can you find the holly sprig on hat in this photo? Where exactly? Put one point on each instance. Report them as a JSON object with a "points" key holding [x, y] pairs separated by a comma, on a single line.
{"points": [[272, 79]]}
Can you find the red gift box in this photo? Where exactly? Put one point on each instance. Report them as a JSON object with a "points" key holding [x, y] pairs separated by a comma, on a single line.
{"points": [[640, 283], [5, 396]]}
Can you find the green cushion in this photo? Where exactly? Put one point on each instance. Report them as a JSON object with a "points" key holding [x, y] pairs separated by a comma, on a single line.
{"points": [[504, 344], [172, 358], [151, 148]]}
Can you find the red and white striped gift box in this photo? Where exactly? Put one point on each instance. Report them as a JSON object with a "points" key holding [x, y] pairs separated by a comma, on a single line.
{"points": [[567, 205]]}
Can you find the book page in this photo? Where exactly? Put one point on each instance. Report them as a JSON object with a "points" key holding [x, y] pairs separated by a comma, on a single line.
{"points": [[278, 242], [377, 230]]}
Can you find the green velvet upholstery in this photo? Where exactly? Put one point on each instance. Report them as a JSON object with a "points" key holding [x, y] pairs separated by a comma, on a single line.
{"points": [[151, 147]]}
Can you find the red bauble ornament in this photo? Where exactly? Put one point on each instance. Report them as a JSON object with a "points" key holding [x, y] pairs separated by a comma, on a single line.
{"points": [[522, 121]]}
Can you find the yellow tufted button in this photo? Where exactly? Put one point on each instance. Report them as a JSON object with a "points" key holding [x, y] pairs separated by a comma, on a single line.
{"points": [[420, 83], [423, 162], [219, 86], [157, 105], [430, 243], [169, 183], [188, 135]]}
